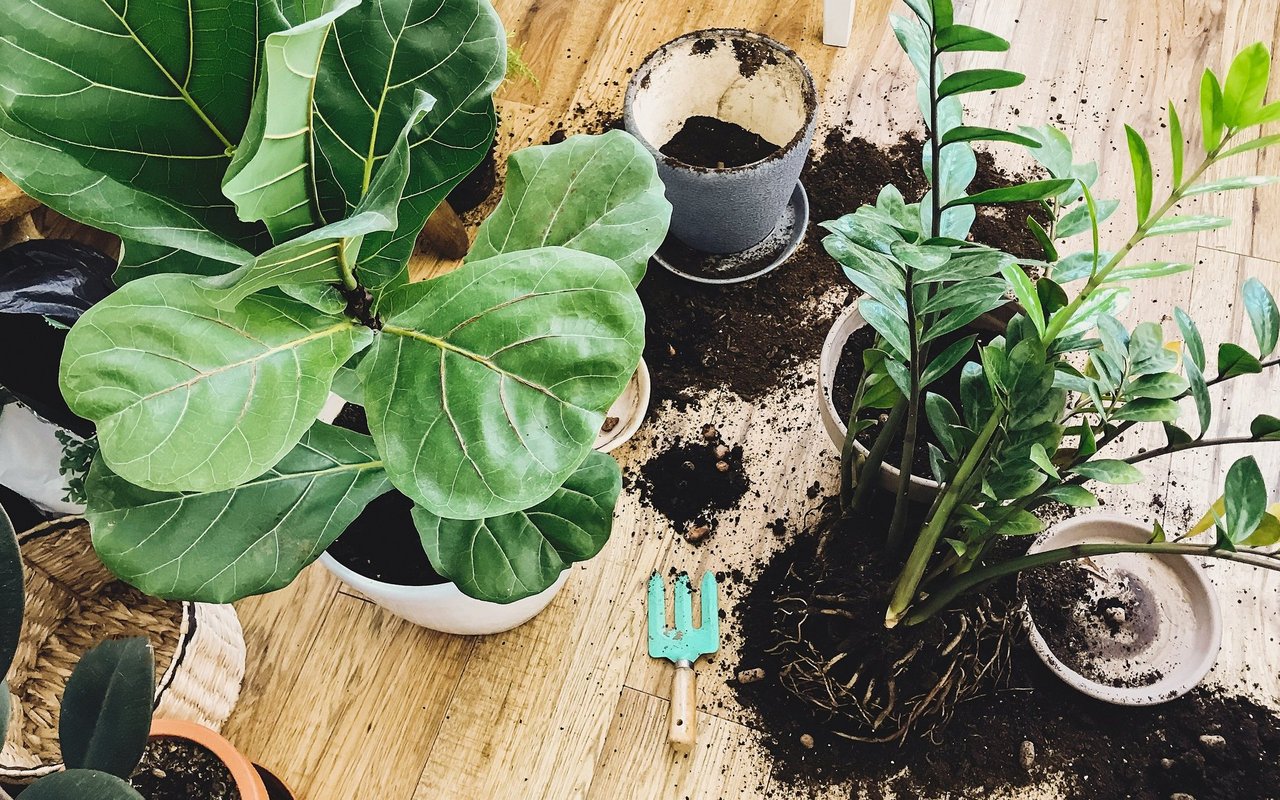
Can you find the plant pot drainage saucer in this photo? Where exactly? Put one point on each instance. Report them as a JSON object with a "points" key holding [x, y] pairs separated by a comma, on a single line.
{"points": [[753, 262], [1168, 637]]}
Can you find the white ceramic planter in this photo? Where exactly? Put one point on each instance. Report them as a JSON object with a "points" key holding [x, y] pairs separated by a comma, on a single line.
{"points": [[630, 409], [444, 607], [1181, 641], [922, 490]]}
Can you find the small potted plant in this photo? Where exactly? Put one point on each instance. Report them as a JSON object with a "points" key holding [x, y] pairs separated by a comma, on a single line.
{"points": [[728, 115], [110, 745], [269, 266], [1038, 409]]}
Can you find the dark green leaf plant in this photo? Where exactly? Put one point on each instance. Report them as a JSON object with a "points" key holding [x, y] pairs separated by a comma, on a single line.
{"points": [[269, 164], [1043, 403]]}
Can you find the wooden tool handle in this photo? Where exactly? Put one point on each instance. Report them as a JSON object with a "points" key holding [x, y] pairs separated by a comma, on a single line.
{"points": [[684, 708]]}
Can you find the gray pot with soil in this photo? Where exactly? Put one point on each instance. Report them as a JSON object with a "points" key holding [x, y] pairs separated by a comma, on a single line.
{"points": [[728, 115]]}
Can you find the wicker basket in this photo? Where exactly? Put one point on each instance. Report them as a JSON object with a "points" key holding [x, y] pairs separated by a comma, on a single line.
{"points": [[73, 603]]}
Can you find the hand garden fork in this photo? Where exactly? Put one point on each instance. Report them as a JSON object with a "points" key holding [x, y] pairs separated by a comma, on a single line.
{"points": [[682, 644]]}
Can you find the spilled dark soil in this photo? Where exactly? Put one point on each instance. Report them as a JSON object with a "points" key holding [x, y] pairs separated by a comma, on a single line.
{"points": [[690, 482]]}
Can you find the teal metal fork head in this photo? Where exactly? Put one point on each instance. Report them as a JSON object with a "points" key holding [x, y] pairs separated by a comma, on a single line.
{"points": [[683, 642]]}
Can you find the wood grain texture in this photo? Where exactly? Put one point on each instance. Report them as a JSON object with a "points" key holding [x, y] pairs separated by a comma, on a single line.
{"points": [[570, 705]]}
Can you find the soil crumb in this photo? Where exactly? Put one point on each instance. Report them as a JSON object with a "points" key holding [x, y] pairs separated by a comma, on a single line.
{"points": [[716, 144], [691, 482], [179, 769]]}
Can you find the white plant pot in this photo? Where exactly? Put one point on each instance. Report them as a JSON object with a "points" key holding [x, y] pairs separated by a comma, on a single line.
{"points": [[1180, 642], [922, 490], [444, 607], [630, 409]]}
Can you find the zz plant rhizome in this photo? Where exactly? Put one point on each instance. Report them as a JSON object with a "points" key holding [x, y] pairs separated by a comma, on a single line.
{"points": [[269, 164], [1041, 406]]}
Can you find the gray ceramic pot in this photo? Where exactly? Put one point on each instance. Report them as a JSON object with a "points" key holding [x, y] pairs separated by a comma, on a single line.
{"points": [[736, 76]]}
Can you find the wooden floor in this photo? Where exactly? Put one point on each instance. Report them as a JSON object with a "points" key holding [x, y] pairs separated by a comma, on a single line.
{"points": [[342, 696]]}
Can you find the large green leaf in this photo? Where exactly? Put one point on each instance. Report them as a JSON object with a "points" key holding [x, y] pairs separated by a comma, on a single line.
{"points": [[59, 181], [221, 546], [140, 259], [1264, 316], [12, 598], [1245, 497], [319, 256], [75, 784], [378, 57], [153, 94], [270, 176], [106, 709], [1246, 85], [503, 559], [598, 194], [187, 397], [487, 386]]}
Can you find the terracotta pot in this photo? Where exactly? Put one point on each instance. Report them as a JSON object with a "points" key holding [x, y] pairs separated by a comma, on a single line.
{"points": [[242, 770], [1177, 639]]}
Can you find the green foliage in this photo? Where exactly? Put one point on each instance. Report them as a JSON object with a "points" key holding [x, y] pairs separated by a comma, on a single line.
{"points": [[12, 600], [78, 783], [106, 708], [269, 198], [1041, 404]]}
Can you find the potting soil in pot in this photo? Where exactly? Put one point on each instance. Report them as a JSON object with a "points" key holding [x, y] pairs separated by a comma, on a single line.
{"points": [[382, 543], [173, 768], [716, 144]]}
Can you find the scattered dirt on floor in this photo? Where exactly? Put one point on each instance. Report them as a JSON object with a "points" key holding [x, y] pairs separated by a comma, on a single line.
{"points": [[691, 481]]}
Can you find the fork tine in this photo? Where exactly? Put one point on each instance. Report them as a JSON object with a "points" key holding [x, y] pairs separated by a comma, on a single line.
{"points": [[683, 604], [709, 596], [657, 605]]}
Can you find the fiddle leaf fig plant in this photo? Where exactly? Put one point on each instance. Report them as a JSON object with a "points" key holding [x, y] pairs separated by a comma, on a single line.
{"points": [[106, 707], [321, 158], [1041, 405]]}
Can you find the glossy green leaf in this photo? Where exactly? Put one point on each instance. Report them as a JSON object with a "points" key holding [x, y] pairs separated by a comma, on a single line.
{"points": [[1021, 523], [1109, 470], [1177, 145], [942, 363], [888, 325], [506, 558], [1072, 495], [1107, 300], [1147, 409], [1043, 239], [943, 14], [1140, 159], [965, 38], [380, 56], [1246, 85], [975, 290], [1191, 338], [1265, 428], [179, 100], [1266, 534], [218, 547], [913, 38], [943, 419], [140, 259], [1054, 152], [978, 80], [1234, 360], [187, 397], [958, 317], [1231, 184], [923, 9], [1040, 457], [969, 133], [1149, 269], [1245, 498], [484, 401], [270, 177], [1187, 224], [1175, 435], [1211, 111], [80, 784], [1165, 386], [1078, 265], [106, 707], [12, 598], [1268, 113], [1264, 316], [1025, 291], [598, 194], [317, 258], [1078, 220], [1021, 193], [1252, 144], [1200, 394]]}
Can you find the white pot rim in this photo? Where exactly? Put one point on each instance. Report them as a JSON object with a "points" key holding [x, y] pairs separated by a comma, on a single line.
{"points": [[1176, 682], [634, 399]]}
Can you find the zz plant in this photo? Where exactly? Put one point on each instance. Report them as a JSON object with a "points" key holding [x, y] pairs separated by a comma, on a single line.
{"points": [[269, 164], [106, 706], [1041, 404]]}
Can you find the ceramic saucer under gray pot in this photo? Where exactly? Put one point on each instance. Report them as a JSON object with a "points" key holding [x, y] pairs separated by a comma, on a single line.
{"points": [[741, 77]]}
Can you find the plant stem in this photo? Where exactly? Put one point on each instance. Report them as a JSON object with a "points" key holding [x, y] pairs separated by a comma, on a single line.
{"points": [[978, 577], [875, 456], [848, 452], [1191, 445], [952, 495], [348, 272]]}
